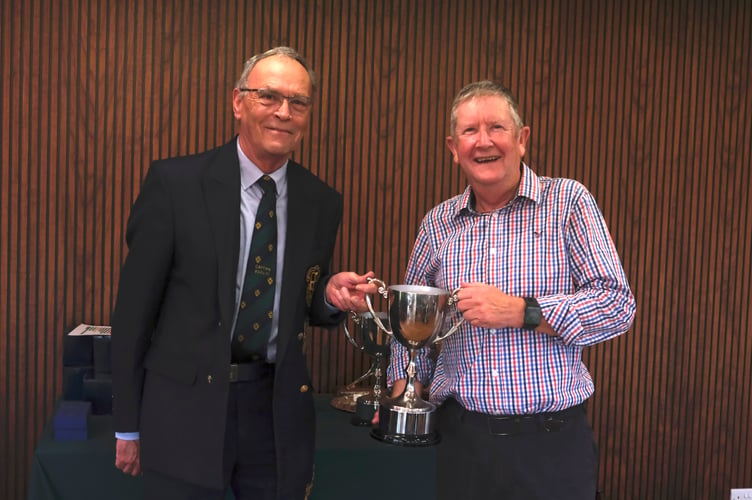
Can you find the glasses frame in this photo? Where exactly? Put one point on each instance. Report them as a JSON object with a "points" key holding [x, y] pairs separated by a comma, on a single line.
{"points": [[298, 103]]}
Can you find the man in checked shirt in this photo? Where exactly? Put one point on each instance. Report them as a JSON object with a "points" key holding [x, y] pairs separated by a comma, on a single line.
{"points": [[540, 280]]}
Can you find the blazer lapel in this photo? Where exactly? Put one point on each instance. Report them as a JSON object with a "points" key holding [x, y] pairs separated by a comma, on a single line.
{"points": [[221, 187]]}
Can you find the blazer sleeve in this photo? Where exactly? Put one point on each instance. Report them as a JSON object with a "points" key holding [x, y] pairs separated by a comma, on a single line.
{"points": [[143, 278], [322, 313]]}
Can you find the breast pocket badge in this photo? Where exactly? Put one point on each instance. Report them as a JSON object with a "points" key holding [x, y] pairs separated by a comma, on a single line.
{"points": [[312, 279]]}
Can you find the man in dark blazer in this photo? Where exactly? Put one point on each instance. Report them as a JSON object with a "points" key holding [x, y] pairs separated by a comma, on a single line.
{"points": [[189, 415]]}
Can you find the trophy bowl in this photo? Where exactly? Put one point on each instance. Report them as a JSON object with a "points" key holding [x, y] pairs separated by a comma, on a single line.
{"points": [[416, 316], [365, 336]]}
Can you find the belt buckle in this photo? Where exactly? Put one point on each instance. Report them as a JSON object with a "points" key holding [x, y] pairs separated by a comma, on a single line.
{"points": [[504, 421], [552, 424], [233, 372]]}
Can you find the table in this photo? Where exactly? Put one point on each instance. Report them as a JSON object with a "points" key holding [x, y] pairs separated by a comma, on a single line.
{"points": [[349, 464]]}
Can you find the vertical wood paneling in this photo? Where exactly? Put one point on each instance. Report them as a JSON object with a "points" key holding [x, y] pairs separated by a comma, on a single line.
{"points": [[646, 102]]}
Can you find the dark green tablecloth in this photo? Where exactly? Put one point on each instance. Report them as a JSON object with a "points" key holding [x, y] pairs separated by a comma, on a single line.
{"points": [[349, 465]]}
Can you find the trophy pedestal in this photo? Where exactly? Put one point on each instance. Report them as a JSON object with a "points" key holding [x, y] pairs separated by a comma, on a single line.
{"points": [[367, 337], [410, 425]]}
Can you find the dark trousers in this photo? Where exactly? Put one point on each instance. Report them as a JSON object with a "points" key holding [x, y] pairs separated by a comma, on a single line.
{"points": [[249, 458], [478, 459]]}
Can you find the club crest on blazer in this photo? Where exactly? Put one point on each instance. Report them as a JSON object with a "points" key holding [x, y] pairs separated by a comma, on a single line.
{"points": [[312, 279]]}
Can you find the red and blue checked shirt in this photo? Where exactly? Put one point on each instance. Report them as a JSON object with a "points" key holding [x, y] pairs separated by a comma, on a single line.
{"points": [[550, 242]]}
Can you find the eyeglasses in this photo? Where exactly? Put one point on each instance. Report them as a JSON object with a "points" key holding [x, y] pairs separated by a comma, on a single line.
{"points": [[273, 99]]}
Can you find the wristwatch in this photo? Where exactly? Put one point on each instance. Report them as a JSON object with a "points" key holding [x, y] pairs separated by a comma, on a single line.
{"points": [[533, 314]]}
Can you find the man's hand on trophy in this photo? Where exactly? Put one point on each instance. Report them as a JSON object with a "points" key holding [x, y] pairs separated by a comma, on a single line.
{"points": [[486, 306], [347, 290]]}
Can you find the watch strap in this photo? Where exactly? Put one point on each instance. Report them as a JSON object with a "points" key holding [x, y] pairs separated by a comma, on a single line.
{"points": [[533, 314]]}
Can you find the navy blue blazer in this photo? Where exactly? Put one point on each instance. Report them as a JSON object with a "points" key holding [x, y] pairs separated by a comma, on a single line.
{"points": [[174, 310]]}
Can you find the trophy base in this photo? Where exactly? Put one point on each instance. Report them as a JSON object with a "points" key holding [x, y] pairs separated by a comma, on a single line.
{"points": [[406, 439], [346, 400], [406, 422]]}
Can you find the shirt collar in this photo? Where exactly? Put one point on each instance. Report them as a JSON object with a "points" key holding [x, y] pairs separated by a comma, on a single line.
{"points": [[250, 173], [529, 188], [529, 184]]}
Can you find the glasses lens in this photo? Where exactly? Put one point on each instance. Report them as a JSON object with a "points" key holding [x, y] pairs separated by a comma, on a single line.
{"points": [[269, 97], [299, 103]]}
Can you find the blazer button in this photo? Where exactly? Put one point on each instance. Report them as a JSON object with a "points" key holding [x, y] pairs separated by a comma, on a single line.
{"points": [[209, 379], [303, 388]]}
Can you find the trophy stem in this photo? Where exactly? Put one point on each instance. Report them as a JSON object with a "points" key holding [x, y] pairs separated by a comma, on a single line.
{"points": [[410, 395], [410, 399], [377, 378]]}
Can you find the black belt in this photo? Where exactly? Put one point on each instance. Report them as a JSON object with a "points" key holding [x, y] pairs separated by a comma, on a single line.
{"points": [[510, 425], [250, 372]]}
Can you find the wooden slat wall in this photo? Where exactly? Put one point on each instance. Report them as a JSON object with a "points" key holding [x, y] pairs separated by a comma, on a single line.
{"points": [[646, 102]]}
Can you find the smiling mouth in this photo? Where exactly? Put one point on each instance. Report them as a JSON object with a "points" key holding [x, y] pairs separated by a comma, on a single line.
{"points": [[487, 159], [279, 131]]}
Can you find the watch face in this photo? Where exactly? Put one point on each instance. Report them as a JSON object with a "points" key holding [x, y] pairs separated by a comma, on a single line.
{"points": [[533, 316]]}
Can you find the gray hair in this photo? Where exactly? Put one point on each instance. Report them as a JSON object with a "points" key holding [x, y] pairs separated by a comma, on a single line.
{"points": [[485, 88], [276, 51]]}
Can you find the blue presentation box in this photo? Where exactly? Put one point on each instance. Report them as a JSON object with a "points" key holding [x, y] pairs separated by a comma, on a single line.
{"points": [[71, 420]]}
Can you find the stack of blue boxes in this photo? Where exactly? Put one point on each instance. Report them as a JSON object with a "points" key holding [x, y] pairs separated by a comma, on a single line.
{"points": [[87, 384]]}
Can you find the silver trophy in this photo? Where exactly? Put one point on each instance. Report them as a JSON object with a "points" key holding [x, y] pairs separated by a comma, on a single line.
{"points": [[416, 316], [367, 337]]}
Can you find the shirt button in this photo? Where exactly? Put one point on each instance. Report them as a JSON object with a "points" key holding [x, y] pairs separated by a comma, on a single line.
{"points": [[304, 388], [495, 373], [492, 251], [209, 379], [301, 336]]}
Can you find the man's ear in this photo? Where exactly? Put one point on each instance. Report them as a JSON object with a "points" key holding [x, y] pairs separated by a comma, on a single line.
{"points": [[237, 102], [452, 148], [522, 139]]}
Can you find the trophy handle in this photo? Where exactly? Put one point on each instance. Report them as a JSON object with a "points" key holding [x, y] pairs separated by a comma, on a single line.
{"points": [[366, 375], [384, 293], [356, 320], [452, 300]]}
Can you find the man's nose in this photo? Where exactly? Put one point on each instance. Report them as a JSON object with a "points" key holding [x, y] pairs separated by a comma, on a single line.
{"points": [[283, 111], [484, 138]]}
